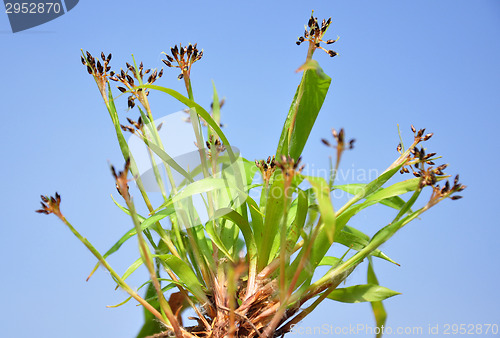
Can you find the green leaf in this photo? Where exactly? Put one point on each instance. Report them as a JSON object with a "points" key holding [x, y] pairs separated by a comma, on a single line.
{"points": [[352, 188], [396, 189], [244, 226], [215, 108], [322, 193], [186, 275], [304, 110], [362, 293], [151, 323], [257, 220], [299, 221], [145, 224], [250, 170], [374, 185], [395, 202], [331, 261], [377, 306], [148, 222], [132, 268], [272, 220], [355, 239]]}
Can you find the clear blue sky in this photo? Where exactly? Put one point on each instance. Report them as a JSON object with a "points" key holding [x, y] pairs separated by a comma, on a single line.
{"points": [[433, 64]]}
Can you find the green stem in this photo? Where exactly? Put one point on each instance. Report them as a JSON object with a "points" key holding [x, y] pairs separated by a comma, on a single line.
{"points": [[115, 276], [146, 257]]}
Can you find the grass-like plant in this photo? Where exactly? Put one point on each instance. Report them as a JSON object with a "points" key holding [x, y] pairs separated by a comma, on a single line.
{"points": [[245, 266]]}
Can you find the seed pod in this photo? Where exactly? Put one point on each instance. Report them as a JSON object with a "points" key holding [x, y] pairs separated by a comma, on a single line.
{"points": [[99, 66], [131, 102], [428, 136], [180, 76], [123, 90], [332, 53]]}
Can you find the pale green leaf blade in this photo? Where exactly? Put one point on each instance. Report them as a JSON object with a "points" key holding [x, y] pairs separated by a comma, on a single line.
{"points": [[362, 293], [304, 110]]}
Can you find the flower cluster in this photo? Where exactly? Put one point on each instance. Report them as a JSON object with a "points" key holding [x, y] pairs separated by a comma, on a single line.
{"points": [[314, 34], [184, 57], [289, 166], [98, 70], [422, 165], [122, 180], [128, 81], [267, 168], [341, 144], [50, 205], [215, 145]]}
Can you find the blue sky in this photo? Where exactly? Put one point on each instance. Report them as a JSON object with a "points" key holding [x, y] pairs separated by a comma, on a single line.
{"points": [[427, 63]]}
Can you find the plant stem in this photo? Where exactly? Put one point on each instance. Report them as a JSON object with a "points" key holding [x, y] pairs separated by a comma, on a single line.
{"points": [[115, 276]]}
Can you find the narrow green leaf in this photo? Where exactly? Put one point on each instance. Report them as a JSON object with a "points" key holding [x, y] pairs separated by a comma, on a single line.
{"points": [[322, 193], [125, 210], [186, 275], [352, 188], [374, 185], [299, 221], [244, 226], [148, 222], [215, 109], [362, 293], [272, 220], [395, 202], [357, 240], [257, 220], [151, 323], [329, 260], [377, 306], [132, 268], [396, 189]]}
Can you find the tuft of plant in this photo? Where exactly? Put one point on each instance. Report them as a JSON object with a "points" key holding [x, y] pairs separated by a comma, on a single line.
{"points": [[240, 254]]}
